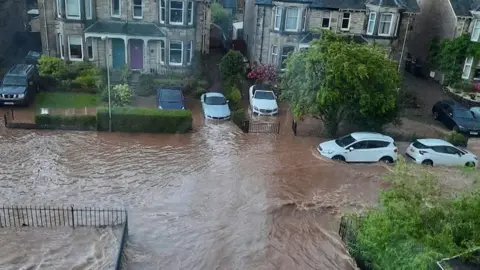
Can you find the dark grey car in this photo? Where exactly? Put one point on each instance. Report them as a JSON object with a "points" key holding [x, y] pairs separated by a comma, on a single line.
{"points": [[170, 99]]}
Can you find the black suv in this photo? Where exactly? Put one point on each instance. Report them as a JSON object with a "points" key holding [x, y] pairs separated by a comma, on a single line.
{"points": [[19, 85], [456, 117]]}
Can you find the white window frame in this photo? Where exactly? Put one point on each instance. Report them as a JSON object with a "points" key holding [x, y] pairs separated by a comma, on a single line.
{"points": [[119, 9], [81, 46], [343, 19], [274, 55], [94, 48], [170, 13], [61, 46], [304, 20], [136, 6], [88, 9], [75, 17], [189, 53], [60, 4], [190, 8], [297, 19], [170, 50], [277, 18], [382, 15], [163, 50], [372, 17], [476, 30], [329, 19], [467, 68], [282, 55], [163, 10]]}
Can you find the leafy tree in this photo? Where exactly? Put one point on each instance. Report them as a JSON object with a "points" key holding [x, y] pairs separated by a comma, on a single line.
{"points": [[52, 66], [231, 65], [337, 80], [219, 14], [263, 73], [416, 223]]}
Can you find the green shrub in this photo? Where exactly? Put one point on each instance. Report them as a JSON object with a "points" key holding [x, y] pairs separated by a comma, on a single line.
{"points": [[189, 85], [151, 120], [85, 122], [457, 139], [199, 92], [86, 81], [238, 117], [121, 95], [234, 95], [146, 85], [232, 64], [53, 67]]}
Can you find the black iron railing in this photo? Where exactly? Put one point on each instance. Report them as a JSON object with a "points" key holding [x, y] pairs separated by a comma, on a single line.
{"points": [[263, 127]]}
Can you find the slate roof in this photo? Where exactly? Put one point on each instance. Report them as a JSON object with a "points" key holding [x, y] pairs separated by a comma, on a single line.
{"points": [[409, 5], [123, 28]]}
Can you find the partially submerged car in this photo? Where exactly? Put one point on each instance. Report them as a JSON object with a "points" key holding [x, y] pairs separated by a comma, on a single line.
{"points": [[215, 106], [456, 117], [439, 152], [170, 99], [263, 100], [20, 85]]}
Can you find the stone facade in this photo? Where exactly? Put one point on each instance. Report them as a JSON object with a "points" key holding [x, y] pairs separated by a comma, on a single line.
{"points": [[97, 46], [266, 42]]}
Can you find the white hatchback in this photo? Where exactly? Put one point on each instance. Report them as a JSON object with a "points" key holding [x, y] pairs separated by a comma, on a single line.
{"points": [[439, 152], [360, 147]]}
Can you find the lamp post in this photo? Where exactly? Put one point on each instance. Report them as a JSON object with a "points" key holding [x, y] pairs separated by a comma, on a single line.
{"points": [[107, 56]]}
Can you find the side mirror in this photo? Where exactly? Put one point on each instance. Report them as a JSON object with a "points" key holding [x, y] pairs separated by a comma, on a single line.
{"points": [[351, 149], [228, 101]]}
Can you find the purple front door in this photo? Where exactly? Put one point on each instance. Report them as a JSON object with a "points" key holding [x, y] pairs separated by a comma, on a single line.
{"points": [[136, 54]]}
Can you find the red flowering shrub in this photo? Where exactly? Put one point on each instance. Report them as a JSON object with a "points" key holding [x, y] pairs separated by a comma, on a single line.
{"points": [[263, 73]]}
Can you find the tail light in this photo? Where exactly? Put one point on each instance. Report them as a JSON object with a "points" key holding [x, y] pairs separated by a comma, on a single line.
{"points": [[422, 152], [395, 150]]}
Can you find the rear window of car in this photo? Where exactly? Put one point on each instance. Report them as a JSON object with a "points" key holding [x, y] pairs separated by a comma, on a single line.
{"points": [[419, 145]]}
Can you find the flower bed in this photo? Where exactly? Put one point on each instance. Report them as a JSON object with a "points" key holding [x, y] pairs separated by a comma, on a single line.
{"points": [[463, 97]]}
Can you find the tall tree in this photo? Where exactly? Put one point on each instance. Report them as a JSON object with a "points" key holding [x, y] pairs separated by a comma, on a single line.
{"points": [[337, 80]]}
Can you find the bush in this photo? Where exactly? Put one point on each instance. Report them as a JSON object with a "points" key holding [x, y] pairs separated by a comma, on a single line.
{"points": [[86, 81], [152, 120], [83, 122], [53, 67], [120, 94], [232, 64], [199, 92], [457, 139], [234, 95], [238, 117]]}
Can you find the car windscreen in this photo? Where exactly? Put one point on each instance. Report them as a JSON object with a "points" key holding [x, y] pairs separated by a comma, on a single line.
{"points": [[215, 101], [463, 114], [14, 81], [346, 140], [419, 145], [264, 95], [170, 96]]}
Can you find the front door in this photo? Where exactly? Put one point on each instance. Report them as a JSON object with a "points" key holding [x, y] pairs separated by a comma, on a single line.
{"points": [[118, 53], [136, 54]]}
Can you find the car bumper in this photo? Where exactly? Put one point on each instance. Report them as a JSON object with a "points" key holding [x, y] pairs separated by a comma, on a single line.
{"points": [[324, 153], [225, 118], [11, 102], [265, 112], [413, 158]]}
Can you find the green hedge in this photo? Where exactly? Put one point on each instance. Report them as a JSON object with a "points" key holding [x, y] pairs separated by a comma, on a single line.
{"points": [[80, 122], [152, 120]]}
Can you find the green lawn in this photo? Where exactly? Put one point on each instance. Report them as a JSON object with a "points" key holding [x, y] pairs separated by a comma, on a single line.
{"points": [[66, 100]]}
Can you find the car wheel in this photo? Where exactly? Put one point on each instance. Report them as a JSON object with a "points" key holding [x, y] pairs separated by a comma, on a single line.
{"points": [[386, 159], [470, 164], [339, 158], [427, 162], [435, 115]]}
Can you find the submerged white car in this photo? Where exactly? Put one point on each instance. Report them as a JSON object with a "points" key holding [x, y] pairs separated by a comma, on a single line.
{"points": [[439, 152], [360, 147], [263, 100]]}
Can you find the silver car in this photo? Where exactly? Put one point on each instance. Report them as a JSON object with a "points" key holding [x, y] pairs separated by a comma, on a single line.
{"points": [[215, 106]]}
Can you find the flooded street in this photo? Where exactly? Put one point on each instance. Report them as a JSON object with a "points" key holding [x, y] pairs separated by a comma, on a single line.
{"points": [[213, 199]]}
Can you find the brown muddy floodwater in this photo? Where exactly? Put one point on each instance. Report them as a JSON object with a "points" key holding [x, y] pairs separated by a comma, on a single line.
{"points": [[213, 199]]}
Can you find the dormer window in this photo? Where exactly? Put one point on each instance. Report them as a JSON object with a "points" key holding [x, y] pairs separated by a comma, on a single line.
{"points": [[385, 24], [476, 31]]}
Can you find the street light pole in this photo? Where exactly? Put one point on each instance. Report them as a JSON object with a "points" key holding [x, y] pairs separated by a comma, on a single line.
{"points": [[108, 86]]}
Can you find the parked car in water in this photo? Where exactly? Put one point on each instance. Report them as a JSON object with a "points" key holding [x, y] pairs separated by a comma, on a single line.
{"points": [[360, 147], [263, 100], [170, 99], [456, 117], [215, 106], [439, 152], [20, 85]]}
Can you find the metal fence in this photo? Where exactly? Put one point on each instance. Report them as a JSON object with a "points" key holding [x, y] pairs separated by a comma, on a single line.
{"points": [[34, 216], [347, 234], [263, 127]]}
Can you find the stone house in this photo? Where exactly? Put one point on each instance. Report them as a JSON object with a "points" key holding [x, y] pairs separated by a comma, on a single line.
{"points": [[275, 28], [144, 35]]}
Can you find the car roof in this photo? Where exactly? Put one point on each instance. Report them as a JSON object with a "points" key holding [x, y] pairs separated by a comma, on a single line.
{"points": [[20, 70], [370, 136], [214, 94], [455, 105], [434, 142]]}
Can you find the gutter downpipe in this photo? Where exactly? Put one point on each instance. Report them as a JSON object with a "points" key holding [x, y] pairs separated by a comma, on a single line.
{"points": [[46, 29], [403, 46], [263, 30]]}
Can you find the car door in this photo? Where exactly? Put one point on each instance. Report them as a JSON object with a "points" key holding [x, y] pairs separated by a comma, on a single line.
{"points": [[457, 157], [378, 149], [440, 156], [357, 152]]}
